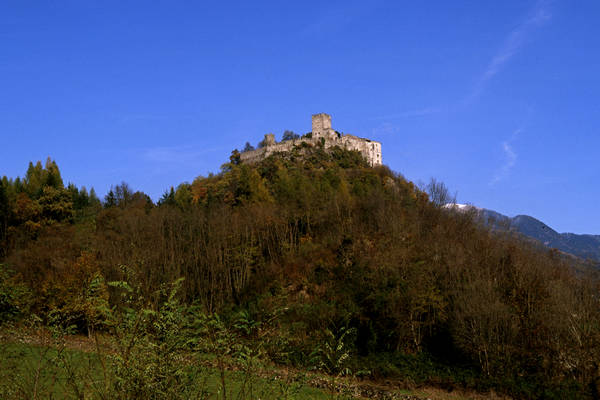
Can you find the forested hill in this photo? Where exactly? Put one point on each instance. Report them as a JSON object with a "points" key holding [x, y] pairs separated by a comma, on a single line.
{"points": [[315, 244]]}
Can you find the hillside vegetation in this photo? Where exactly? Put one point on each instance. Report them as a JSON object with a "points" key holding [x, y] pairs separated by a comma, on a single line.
{"points": [[332, 264]]}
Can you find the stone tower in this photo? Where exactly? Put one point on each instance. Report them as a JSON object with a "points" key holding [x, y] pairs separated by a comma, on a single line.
{"points": [[321, 126], [269, 139]]}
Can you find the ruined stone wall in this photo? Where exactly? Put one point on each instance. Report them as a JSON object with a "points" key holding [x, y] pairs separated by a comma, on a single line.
{"points": [[264, 152], [321, 125], [370, 149]]}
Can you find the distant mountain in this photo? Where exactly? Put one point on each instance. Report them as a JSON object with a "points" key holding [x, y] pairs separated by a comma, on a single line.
{"points": [[583, 246]]}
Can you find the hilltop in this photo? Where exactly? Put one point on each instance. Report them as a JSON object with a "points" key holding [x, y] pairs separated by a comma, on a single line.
{"points": [[329, 262], [322, 135]]}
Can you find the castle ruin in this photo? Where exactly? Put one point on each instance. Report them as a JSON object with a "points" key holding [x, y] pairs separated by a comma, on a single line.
{"points": [[322, 134]]}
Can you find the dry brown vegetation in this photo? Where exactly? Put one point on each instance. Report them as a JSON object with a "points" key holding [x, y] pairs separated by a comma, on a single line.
{"points": [[312, 244]]}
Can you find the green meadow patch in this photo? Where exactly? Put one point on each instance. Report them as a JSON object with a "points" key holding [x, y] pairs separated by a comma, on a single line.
{"points": [[40, 372]]}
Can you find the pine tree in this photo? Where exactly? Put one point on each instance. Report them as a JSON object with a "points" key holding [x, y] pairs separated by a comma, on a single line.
{"points": [[168, 198], [83, 199], [52, 175], [110, 200], [94, 201], [34, 180], [4, 215]]}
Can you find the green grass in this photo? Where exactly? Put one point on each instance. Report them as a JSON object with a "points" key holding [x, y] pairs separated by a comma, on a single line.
{"points": [[32, 371]]}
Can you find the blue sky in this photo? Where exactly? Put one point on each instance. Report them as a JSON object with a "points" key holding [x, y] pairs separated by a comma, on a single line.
{"points": [[499, 100]]}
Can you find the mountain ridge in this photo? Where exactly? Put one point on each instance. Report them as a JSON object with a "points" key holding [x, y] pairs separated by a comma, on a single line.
{"points": [[586, 246]]}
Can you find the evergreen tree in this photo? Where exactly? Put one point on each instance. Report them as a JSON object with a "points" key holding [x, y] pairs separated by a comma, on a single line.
{"points": [[38, 177], [4, 215], [168, 198], [34, 180], [11, 188], [56, 205], [93, 199], [78, 198], [52, 175], [110, 200], [83, 199], [18, 186]]}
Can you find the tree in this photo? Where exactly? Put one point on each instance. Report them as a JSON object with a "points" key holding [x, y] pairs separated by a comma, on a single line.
{"points": [[4, 214], [94, 201], [79, 197], [183, 196], [110, 200], [38, 177], [168, 198], [57, 205], [248, 147], [234, 159], [123, 194], [438, 193], [140, 200], [53, 177], [289, 135], [34, 180], [83, 200]]}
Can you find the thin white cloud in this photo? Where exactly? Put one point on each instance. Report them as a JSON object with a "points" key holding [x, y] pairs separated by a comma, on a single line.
{"points": [[512, 44], [510, 159], [539, 15]]}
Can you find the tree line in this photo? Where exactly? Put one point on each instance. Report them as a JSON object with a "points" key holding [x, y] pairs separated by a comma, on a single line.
{"points": [[339, 246]]}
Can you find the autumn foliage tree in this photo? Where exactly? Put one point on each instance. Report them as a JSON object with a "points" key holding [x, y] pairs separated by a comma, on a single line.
{"points": [[336, 244]]}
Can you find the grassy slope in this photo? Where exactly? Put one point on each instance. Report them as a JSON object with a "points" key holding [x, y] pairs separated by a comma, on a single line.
{"points": [[27, 371], [33, 370]]}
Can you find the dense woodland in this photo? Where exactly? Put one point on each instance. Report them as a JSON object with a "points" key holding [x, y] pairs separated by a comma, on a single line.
{"points": [[313, 244]]}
